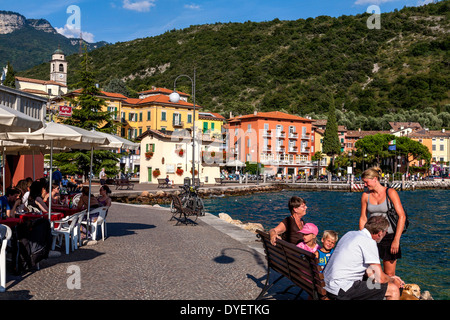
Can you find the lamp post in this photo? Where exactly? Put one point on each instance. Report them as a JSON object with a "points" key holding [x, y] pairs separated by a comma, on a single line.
{"points": [[175, 98]]}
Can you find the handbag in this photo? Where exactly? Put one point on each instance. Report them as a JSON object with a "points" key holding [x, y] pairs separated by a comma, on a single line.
{"points": [[393, 216]]}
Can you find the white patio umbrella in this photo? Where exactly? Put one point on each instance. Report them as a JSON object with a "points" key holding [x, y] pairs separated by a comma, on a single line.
{"points": [[116, 142], [61, 135], [13, 120]]}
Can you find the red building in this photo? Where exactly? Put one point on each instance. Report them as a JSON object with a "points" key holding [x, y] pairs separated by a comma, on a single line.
{"points": [[282, 142]]}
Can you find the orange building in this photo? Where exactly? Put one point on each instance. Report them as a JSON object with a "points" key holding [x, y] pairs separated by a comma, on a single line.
{"points": [[282, 142]]}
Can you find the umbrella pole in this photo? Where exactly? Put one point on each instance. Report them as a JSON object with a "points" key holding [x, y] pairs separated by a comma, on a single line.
{"points": [[3, 171], [50, 183], [90, 187]]}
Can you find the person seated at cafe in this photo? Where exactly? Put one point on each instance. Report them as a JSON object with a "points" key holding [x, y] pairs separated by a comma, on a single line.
{"points": [[35, 201], [73, 185], [10, 201], [104, 199], [84, 200]]}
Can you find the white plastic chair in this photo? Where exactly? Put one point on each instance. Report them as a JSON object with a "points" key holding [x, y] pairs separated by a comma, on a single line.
{"points": [[5, 240], [100, 222], [69, 229]]}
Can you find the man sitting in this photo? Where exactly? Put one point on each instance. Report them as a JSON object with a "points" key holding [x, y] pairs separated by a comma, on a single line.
{"points": [[355, 256]]}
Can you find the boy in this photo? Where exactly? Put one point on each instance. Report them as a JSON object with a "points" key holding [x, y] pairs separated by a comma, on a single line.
{"points": [[329, 240]]}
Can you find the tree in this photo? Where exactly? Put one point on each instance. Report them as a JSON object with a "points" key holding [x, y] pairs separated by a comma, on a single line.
{"points": [[331, 145], [318, 156], [413, 150], [87, 114], [10, 78], [376, 146]]}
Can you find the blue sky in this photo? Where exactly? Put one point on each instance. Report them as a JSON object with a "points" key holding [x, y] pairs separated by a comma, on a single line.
{"points": [[124, 20]]}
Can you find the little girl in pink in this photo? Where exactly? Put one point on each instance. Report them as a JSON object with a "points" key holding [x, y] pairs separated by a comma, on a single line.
{"points": [[309, 242]]}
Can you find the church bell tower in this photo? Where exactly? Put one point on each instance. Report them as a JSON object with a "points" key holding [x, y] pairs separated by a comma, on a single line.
{"points": [[58, 67]]}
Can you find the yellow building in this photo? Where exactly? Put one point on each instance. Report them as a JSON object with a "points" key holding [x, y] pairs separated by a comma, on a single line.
{"points": [[211, 123]]}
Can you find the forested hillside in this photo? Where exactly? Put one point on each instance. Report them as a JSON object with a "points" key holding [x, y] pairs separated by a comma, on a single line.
{"points": [[295, 66]]}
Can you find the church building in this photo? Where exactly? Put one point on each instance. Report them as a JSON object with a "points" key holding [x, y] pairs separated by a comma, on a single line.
{"points": [[56, 86]]}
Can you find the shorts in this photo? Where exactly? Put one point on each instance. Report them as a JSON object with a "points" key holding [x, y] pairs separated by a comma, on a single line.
{"points": [[384, 249], [362, 290]]}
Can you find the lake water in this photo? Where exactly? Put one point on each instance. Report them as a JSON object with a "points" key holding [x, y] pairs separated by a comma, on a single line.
{"points": [[425, 246]]}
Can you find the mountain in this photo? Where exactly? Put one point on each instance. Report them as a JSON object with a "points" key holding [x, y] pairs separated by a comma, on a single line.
{"points": [[297, 66], [28, 42]]}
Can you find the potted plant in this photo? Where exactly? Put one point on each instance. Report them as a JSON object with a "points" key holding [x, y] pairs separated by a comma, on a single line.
{"points": [[148, 155], [156, 173], [179, 172], [180, 152]]}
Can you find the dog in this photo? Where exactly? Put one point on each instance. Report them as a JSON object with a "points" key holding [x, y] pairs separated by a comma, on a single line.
{"points": [[412, 292]]}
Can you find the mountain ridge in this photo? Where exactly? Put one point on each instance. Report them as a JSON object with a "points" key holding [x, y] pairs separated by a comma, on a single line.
{"points": [[29, 42], [298, 66]]}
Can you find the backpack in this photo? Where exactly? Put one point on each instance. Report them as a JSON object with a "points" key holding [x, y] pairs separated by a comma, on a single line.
{"points": [[34, 239]]}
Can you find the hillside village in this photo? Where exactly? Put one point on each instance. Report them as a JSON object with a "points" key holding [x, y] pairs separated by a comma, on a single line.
{"points": [[281, 143]]}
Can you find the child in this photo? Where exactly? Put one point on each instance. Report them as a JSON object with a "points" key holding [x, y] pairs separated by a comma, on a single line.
{"points": [[329, 240], [309, 242]]}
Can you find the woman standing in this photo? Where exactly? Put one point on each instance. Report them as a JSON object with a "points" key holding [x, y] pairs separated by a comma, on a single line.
{"points": [[374, 202]]}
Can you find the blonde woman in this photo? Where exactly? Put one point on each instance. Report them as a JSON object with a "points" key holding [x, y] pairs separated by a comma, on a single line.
{"points": [[374, 203]]}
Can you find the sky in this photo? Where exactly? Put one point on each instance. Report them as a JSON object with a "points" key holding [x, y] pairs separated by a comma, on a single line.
{"points": [[124, 20]]}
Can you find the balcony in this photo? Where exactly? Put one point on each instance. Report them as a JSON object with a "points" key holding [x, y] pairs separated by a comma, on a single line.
{"points": [[306, 136], [292, 149], [280, 148], [177, 124], [267, 148], [281, 135], [293, 135], [267, 134]]}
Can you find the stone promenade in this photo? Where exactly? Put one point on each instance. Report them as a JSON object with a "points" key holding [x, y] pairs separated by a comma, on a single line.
{"points": [[148, 257]]}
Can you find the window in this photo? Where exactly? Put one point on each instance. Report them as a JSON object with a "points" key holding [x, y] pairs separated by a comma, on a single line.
{"points": [[140, 116], [149, 115], [61, 68], [205, 127], [189, 118], [163, 116], [212, 126], [441, 147], [434, 147], [176, 119], [150, 147]]}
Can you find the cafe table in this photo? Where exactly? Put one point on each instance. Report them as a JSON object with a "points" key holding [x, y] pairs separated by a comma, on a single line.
{"points": [[10, 222], [65, 210], [28, 216]]}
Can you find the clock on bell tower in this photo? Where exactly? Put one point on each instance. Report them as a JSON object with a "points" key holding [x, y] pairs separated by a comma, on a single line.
{"points": [[58, 67]]}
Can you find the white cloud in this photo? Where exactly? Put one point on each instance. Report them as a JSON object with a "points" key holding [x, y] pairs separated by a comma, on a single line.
{"points": [[70, 32], [140, 6], [192, 6], [424, 2]]}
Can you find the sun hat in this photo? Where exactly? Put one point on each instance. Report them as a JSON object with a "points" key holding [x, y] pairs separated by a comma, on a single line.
{"points": [[309, 228]]}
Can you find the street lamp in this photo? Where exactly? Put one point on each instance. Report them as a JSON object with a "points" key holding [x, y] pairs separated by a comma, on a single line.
{"points": [[175, 98]]}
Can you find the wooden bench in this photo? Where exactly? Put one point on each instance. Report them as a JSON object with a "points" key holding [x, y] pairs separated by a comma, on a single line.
{"points": [[183, 213], [296, 264], [219, 181], [162, 183], [120, 183]]}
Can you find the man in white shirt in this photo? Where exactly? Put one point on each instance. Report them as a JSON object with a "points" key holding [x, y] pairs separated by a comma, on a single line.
{"points": [[356, 255], [102, 176]]}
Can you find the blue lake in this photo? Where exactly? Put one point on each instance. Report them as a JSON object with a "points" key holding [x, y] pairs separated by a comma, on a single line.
{"points": [[425, 246]]}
